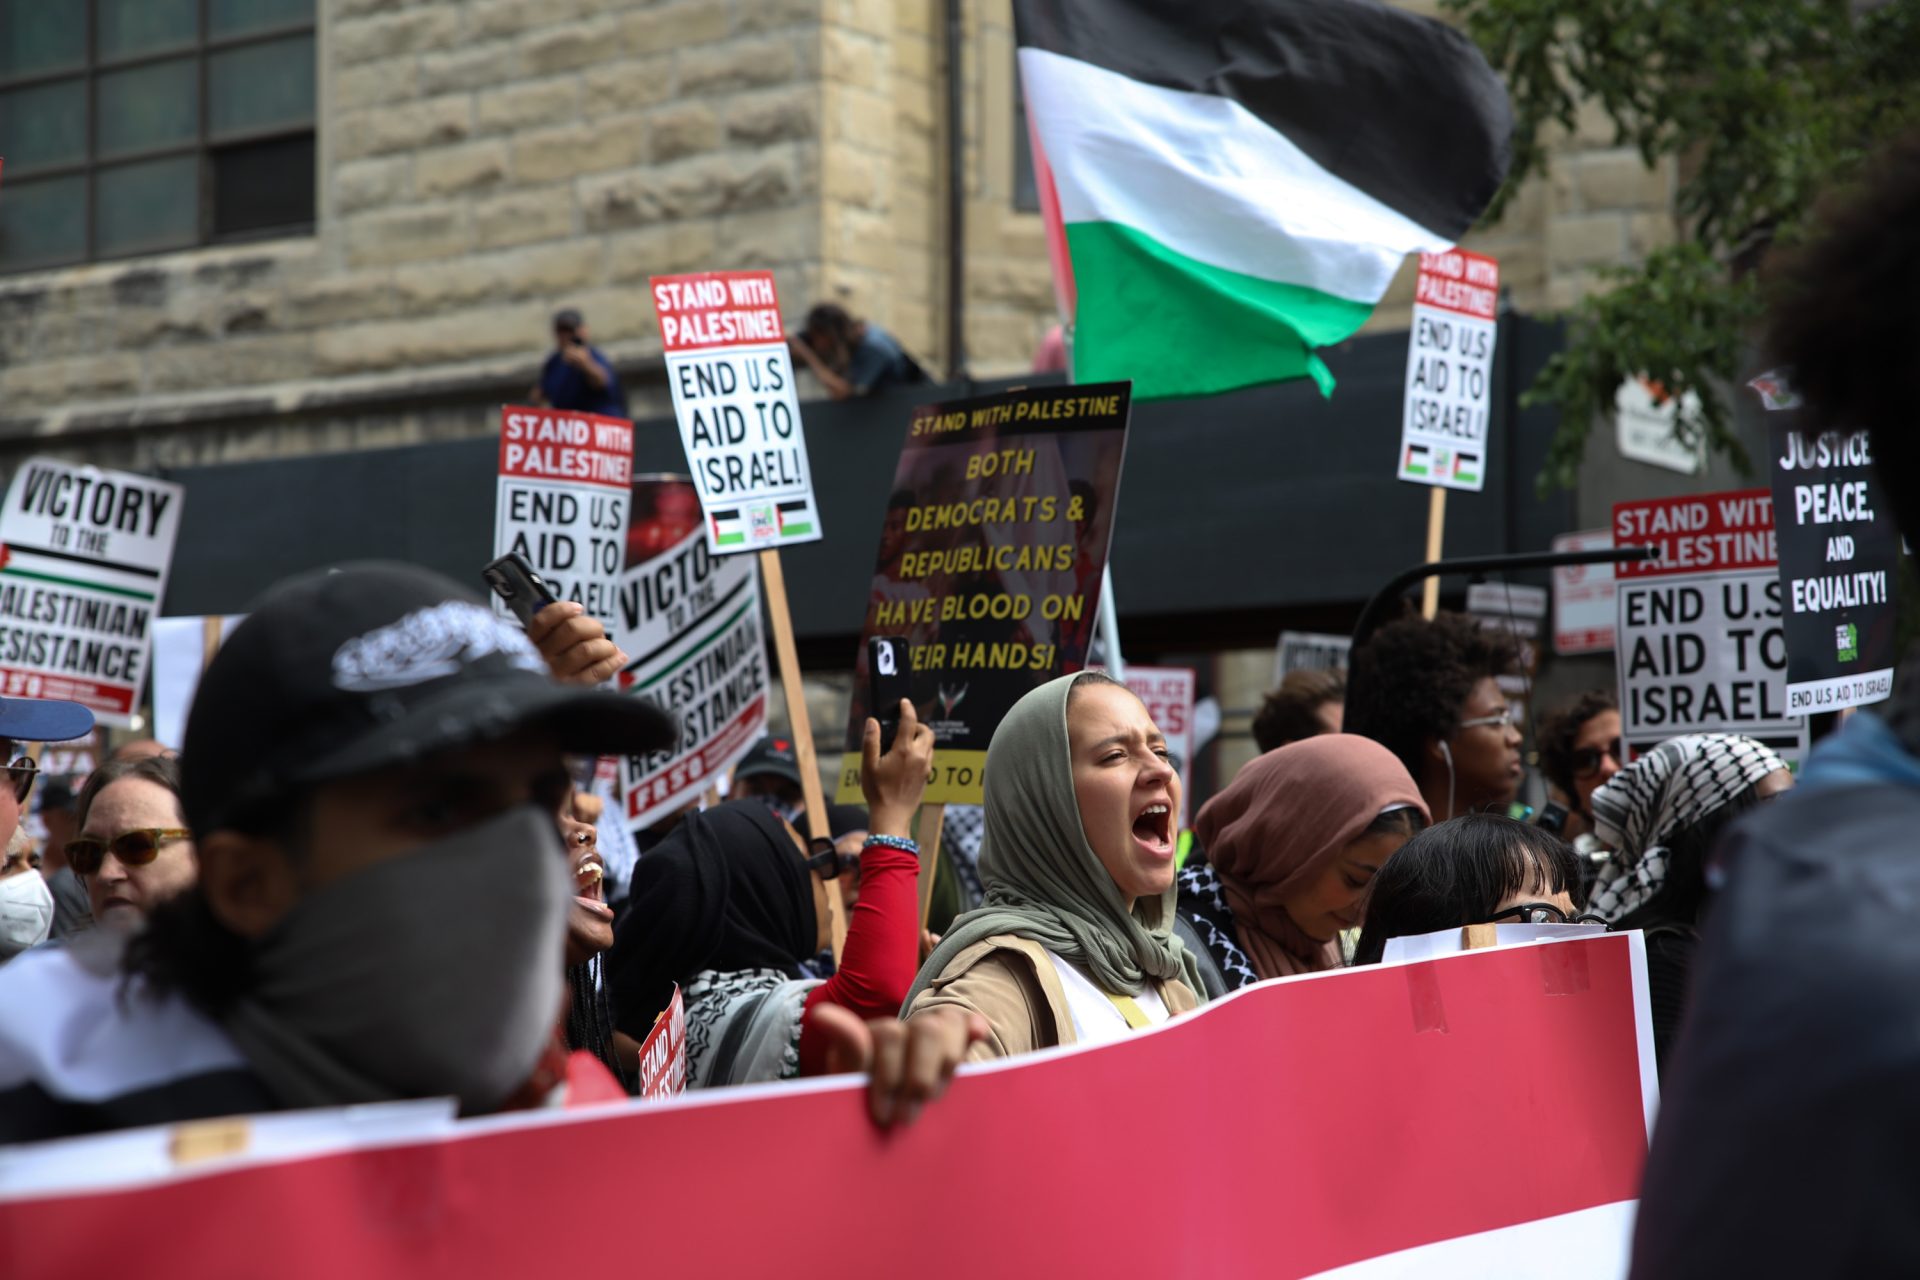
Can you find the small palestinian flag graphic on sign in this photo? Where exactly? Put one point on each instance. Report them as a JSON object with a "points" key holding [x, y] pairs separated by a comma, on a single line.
{"points": [[796, 518], [1418, 462], [1466, 467], [728, 529]]}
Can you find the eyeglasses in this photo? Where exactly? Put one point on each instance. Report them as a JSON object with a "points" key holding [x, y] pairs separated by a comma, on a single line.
{"points": [[1503, 719], [135, 848], [1540, 913], [828, 862], [1587, 760], [22, 772]]}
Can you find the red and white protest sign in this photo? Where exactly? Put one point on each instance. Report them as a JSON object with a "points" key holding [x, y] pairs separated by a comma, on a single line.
{"points": [[1438, 1118], [83, 573], [663, 1054], [1449, 400], [1583, 597], [1168, 693], [732, 383], [565, 486], [1699, 642]]}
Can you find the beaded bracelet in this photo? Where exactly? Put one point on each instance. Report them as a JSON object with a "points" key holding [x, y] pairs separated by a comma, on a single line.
{"points": [[894, 842]]}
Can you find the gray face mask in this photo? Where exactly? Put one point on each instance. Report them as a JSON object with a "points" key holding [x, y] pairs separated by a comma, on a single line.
{"points": [[438, 972]]}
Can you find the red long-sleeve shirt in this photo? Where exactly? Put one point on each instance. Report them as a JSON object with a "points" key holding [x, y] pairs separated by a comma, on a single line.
{"points": [[882, 953]]}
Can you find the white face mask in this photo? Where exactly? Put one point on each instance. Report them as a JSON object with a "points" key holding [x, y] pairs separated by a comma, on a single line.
{"points": [[26, 912]]}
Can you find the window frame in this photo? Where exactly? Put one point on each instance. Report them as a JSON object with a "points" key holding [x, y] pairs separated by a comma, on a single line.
{"points": [[202, 49]]}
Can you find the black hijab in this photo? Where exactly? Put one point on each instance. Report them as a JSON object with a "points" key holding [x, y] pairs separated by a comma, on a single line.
{"points": [[725, 890]]}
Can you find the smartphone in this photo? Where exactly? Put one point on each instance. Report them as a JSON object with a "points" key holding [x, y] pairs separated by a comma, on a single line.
{"points": [[1553, 818], [518, 586], [889, 679]]}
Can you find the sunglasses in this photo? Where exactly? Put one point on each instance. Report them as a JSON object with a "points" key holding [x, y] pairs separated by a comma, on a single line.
{"points": [[1540, 913], [1587, 760], [22, 772], [135, 848], [828, 862]]}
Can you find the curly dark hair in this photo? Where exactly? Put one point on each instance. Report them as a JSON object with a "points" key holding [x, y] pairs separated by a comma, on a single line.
{"points": [[1292, 711], [1408, 683], [1842, 318], [1559, 729]]}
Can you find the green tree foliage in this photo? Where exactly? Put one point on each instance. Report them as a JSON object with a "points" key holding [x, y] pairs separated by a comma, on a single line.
{"points": [[1763, 103]]}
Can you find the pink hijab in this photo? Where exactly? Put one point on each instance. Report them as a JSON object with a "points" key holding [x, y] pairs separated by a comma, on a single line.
{"points": [[1282, 822]]}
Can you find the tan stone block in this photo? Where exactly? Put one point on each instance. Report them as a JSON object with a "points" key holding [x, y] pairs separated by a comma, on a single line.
{"points": [[45, 383], [231, 362], [342, 299], [570, 47], [684, 129], [534, 105], [544, 155], [850, 58], [375, 83], [773, 115], [767, 238], [874, 17], [1010, 280], [662, 250], [429, 340], [917, 220], [1526, 213], [768, 15], [516, 273], [914, 61], [407, 234], [360, 8], [476, 166], [490, 18], [1566, 289], [379, 130], [1618, 180], [854, 178], [860, 117], [478, 66], [697, 187], [363, 184], [1649, 231], [674, 26], [626, 86], [858, 238], [524, 217], [428, 27], [737, 64], [1578, 239], [616, 315]]}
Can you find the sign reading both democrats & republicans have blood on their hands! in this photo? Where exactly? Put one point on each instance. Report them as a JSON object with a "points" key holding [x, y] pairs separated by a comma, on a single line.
{"points": [[990, 562], [1699, 642], [1449, 400], [732, 382], [562, 501], [83, 574]]}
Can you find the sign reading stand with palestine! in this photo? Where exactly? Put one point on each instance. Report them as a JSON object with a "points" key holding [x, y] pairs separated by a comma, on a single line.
{"points": [[990, 562], [562, 501], [1699, 641], [1443, 434], [732, 383], [82, 577]]}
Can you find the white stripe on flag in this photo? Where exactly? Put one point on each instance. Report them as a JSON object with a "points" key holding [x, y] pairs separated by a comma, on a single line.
{"points": [[1591, 1244], [1207, 178]]}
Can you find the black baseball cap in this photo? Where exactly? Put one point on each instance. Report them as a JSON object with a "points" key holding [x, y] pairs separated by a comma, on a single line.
{"points": [[770, 755], [343, 672], [567, 318]]}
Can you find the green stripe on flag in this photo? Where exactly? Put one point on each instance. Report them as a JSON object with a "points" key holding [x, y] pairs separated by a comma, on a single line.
{"points": [[1179, 327], [697, 649], [794, 530], [729, 539], [75, 582]]}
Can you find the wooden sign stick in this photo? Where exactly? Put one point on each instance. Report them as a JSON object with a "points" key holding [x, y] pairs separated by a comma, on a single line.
{"points": [[775, 582], [1436, 534], [932, 818]]}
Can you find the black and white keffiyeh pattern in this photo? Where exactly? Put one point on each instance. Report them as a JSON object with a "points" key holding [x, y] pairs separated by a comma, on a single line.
{"points": [[743, 1027], [1204, 904], [960, 835], [1667, 790]]}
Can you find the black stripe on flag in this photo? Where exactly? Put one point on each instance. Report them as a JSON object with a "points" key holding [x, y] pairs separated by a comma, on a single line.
{"points": [[1403, 107], [799, 505]]}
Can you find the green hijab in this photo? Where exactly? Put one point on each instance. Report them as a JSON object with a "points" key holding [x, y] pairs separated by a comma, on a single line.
{"points": [[1044, 881]]}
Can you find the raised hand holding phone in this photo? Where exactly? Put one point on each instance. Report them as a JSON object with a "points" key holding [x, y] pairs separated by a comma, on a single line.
{"points": [[894, 780]]}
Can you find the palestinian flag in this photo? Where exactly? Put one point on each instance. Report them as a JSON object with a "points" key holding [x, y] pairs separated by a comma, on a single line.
{"points": [[1229, 185]]}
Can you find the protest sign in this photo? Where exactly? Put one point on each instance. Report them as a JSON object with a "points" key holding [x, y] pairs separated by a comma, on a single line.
{"points": [[1461, 1061], [1583, 600], [562, 500], [82, 576], [1443, 433], [1168, 695], [1310, 651], [990, 562], [1839, 551], [732, 382], [1699, 643], [1516, 610], [663, 1054], [690, 623], [1645, 418]]}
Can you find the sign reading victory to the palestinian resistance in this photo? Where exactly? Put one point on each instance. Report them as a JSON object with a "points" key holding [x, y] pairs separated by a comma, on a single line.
{"points": [[82, 577], [1839, 550], [562, 501], [732, 382], [990, 562], [1449, 401], [1700, 644]]}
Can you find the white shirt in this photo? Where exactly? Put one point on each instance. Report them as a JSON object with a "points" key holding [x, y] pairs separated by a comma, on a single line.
{"points": [[1095, 1018]]}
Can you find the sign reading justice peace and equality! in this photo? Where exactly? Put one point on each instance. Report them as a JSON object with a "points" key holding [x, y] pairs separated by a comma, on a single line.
{"points": [[1449, 401], [1700, 644], [990, 562], [82, 577], [562, 501], [732, 382], [1839, 551], [1461, 1060]]}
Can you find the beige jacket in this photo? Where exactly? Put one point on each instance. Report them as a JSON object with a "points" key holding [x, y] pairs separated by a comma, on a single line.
{"points": [[1012, 984]]}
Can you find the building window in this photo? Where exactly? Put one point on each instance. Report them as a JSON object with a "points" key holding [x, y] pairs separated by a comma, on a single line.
{"points": [[1026, 191], [136, 126]]}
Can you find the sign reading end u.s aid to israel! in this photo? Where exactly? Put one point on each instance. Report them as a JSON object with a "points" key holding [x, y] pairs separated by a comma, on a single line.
{"points": [[83, 573], [1449, 401], [732, 383], [562, 499]]}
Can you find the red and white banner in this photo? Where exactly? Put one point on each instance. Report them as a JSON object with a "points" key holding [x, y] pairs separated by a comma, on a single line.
{"points": [[1449, 398], [1583, 596], [1466, 1116], [663, 1054], [562, 501]]}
